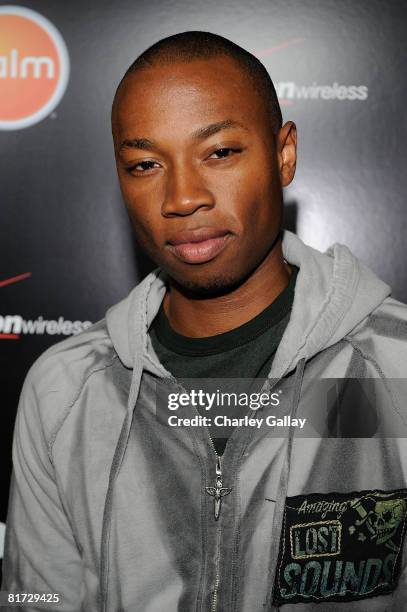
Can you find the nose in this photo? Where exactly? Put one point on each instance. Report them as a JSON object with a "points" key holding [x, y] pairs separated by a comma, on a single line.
{"points": [[185, 193]]}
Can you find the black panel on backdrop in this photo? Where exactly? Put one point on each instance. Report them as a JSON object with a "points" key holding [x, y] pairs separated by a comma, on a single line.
{"points": [[67, 250]]}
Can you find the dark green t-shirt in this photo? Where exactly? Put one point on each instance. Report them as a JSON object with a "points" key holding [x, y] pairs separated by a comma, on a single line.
{"points": [[244, 352]]}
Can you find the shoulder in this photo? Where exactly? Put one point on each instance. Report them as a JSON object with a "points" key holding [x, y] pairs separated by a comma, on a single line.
{"points": [[70, 361], [381, 338], [391, 315], [58, 375]]}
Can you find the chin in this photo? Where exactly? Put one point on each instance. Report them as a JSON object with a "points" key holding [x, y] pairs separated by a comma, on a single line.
{"points": [[207, 287]]}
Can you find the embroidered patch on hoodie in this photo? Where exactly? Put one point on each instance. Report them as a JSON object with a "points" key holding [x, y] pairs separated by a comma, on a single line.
{"points": [[340, 546]]}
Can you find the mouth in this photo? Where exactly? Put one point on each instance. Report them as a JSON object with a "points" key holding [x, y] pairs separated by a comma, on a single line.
{"points": [[198, 246]]}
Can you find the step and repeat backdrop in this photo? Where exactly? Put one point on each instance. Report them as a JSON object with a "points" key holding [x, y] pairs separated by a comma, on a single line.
{"points": [[66, 248]]}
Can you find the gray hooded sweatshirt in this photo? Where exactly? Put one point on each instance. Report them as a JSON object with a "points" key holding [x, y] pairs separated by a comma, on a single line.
{"points": [[114, 510]]}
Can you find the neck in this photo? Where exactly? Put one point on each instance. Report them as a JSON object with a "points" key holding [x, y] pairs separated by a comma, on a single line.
{"points": [[199, 318]]}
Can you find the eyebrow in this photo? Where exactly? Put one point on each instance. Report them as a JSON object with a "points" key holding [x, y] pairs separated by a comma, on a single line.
{"points": [[214, 128], [200, 134]]}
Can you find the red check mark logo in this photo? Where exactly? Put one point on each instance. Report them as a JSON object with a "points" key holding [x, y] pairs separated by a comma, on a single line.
{"points": [[282, 45], [4, 283], [272, 50], [15, 279]]}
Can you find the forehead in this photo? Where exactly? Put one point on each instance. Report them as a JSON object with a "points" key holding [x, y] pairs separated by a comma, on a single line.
{"points": [[183, 96]]}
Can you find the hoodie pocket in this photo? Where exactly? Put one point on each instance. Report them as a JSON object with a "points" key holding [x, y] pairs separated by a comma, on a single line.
{"points": [[340, 546]]}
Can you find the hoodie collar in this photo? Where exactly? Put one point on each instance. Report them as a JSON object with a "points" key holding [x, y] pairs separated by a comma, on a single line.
{"points": [[334, 292], [343, 292]]}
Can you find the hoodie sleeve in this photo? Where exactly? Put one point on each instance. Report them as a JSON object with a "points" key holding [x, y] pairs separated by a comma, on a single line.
{"points": [[41, 555]]}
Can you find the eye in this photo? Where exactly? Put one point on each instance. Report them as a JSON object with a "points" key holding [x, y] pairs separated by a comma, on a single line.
{"points": [[224, 152], [143, 167]]}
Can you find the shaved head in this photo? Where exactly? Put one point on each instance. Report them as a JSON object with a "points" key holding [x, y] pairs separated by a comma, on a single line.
{"points": [[196, 45]]}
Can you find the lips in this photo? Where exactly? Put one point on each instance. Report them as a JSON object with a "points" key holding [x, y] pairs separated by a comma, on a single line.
{"points": [[199, 245]]}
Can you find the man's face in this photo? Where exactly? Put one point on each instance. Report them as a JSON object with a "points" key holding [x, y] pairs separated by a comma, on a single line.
{"points": [[199, 171]]}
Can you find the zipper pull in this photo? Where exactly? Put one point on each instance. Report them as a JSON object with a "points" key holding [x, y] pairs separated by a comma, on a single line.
{"points": [[218, 491]]}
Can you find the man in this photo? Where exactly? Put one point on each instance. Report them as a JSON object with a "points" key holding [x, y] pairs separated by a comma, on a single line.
{"points": [[115, 509]]}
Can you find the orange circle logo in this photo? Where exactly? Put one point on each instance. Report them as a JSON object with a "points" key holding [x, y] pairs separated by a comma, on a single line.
{"points": [[34, 67]]}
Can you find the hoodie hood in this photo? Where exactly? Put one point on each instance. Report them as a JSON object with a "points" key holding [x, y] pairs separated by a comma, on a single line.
{"points": [[334, 292]]}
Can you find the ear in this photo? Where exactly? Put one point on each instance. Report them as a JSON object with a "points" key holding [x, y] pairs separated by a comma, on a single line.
{"points": [[287, 152]]}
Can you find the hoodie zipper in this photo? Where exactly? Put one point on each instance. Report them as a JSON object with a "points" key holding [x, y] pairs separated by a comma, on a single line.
{"points": [[217, 492]]}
